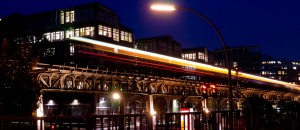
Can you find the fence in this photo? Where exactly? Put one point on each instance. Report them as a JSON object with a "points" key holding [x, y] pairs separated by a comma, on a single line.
{"points": [[217, 120]]}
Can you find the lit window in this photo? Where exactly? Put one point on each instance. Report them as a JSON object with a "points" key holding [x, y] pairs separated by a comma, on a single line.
{"points": [[104, 31], [205, 57], [201, 55], [263, 62], [86, 31], [70, 33], [279, 72], [294, 68], [59, 35], [122, 35], [194, 56], [299, 78], [54, 36], [271, 62], [77, 33], [129, 37], [47, 36], [31, 39], [116, 34], [295, 63], [49, 52], [62, 17], [81, 32], [52, 53], [72, 50], [126, 36], [70, 16], [283, 73]]}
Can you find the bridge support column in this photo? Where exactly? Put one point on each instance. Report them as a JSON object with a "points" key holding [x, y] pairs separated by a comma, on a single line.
{"points": [[204, 105], [94, 105], [169, 107], [40, 113], [151, 113], [123, 101]]}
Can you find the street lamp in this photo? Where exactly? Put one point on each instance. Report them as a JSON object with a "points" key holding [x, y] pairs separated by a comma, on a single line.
{"points": [[165, 7], [115, 96]]}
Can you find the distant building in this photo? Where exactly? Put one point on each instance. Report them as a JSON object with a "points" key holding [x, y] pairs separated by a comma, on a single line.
{"points": [[165, 45], [50, 32], [284, 70], [199, 54], [245, 58]]}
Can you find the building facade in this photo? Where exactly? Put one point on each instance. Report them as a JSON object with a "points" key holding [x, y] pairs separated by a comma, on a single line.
{"points": [[50, 35], [50, 32], [165, 45], [200, 54], [284, 70], [244, 59]]}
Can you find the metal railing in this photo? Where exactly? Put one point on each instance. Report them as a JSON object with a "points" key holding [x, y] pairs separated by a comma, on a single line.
{"points": [[216, 120]]}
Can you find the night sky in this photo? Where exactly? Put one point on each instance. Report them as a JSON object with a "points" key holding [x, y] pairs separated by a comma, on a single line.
{"points": [[274, 26]]}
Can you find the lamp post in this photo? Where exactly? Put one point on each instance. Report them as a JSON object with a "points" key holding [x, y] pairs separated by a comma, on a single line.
{"points": [[115, 96], [161, 7]]}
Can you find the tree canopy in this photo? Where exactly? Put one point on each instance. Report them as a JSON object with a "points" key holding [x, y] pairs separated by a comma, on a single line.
{"points": [[19, 91], [257, 105]]}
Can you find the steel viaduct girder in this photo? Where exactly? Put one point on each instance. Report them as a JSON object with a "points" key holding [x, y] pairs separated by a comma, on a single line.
{"points": [[110, 81], [59, 78]]}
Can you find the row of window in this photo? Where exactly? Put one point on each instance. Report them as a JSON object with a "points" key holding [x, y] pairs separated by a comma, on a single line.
{"points": [[280, 78], [273, 73], [83, 14], [271, 62], [67, 17], [282, 67], [51, 51], [89, 31], [54, 36], [192, 56], [296, 63], [114, 33]]}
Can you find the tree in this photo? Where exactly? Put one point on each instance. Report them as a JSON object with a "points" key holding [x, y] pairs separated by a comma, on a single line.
{"points": [[260, 111], [257, 105], [292, 106], [19, 91]]}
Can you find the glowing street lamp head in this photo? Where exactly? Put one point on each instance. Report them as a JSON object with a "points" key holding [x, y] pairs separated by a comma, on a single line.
{"points": [[163, 7], [116, 96]]}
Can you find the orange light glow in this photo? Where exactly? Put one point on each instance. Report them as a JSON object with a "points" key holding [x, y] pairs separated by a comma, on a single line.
{"points": [[213, 86], [162, 7]]}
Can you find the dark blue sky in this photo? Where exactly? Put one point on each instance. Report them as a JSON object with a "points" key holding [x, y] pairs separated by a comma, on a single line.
{"points": [[272, 25]]}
